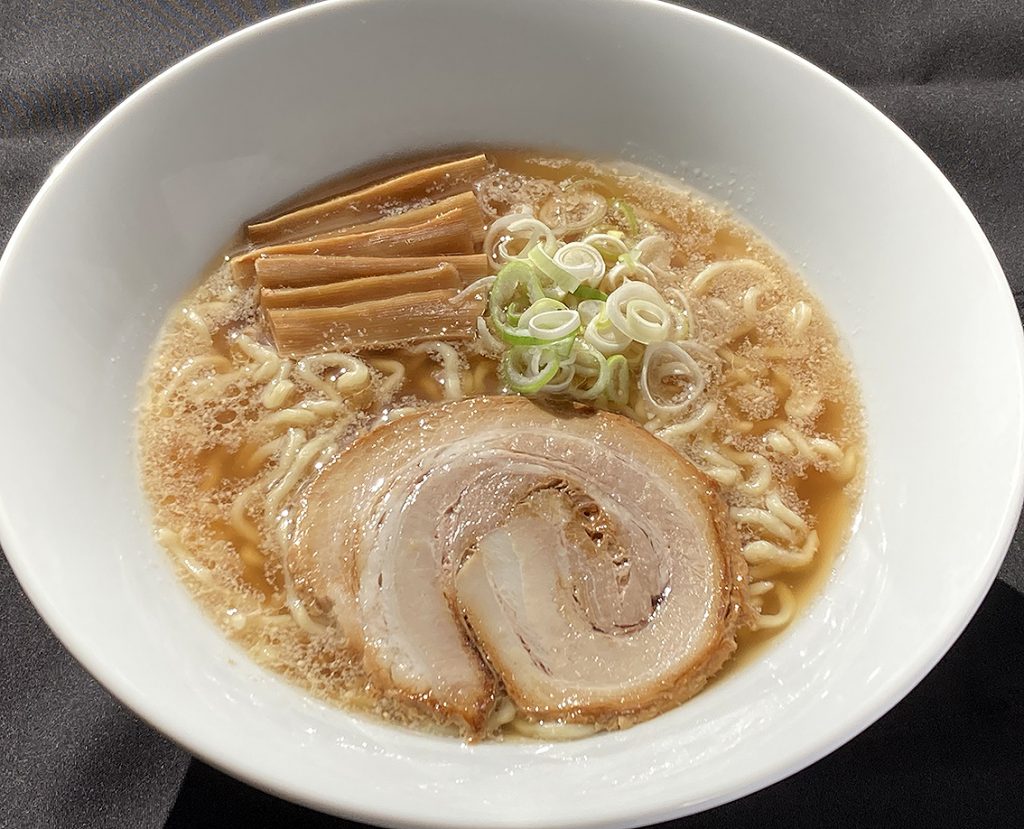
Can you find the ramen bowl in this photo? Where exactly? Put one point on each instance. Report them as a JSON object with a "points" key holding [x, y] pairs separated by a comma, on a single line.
{"points": [[136, 212]]}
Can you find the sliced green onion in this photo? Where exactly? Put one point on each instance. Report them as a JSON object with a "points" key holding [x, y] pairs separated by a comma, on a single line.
{"points": [[523, 371], [498, 235], [550, 330], [562, 380], [588, 309], [601, 335], [517, 336], [583, 261], [554, 292], [540, 235], [534, 289], [664, 365], [555, 324], [652, 319], [647, 322], [564, 349], [654, 250], [512, 282], [514, 312], [538, 307], [586, 292], [609, 245], [515, 284], [618, 380], [557, 274], [620, 273], [590, 363]]}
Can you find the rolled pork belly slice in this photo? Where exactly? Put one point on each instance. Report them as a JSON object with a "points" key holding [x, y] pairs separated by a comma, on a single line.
{"points": [[564, 557]]}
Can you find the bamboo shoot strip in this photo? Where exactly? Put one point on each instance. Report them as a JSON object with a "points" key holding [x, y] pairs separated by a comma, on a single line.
{"points": [[373, 325], [447, 233], [299, 271], [366, 204], [466, 203], [361, 290]]}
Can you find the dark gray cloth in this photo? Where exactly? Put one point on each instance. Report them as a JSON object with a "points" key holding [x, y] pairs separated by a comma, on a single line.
{"points": [[950, 72]]}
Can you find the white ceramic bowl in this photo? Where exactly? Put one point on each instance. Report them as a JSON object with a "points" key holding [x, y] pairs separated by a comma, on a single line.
{"points": [[131, 217]]}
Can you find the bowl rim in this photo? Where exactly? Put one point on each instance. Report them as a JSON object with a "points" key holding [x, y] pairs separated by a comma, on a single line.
{"points": [[393, 813]]}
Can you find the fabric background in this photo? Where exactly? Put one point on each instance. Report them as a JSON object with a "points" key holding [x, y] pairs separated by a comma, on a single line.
{"points": [[949, 72]]}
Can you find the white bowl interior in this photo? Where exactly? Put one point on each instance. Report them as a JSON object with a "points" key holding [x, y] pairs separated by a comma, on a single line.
{"points": [[134, 215]]}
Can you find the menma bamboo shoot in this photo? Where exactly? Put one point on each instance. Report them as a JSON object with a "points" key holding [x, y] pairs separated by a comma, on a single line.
{"points": [[302, 270], [371, 202], [361, 290], [373, 325], [447, 233]]}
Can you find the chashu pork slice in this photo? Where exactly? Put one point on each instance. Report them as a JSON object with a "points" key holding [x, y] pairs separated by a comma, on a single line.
{"points": [[568, 556], [592, 614]]}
